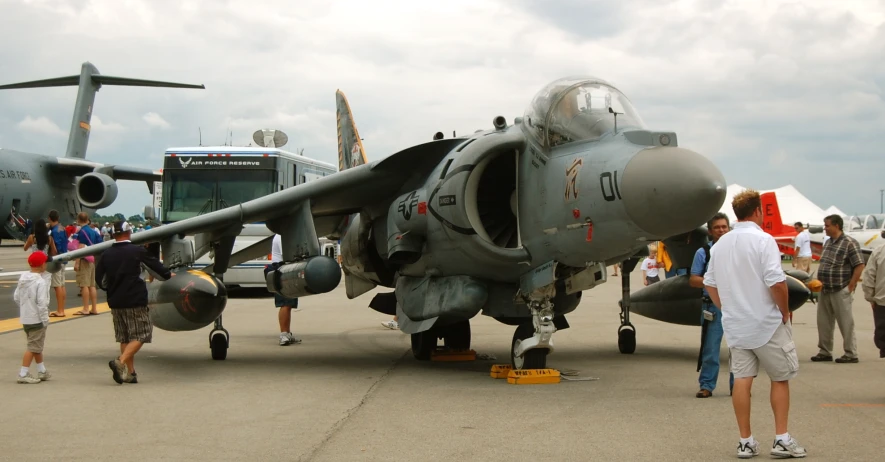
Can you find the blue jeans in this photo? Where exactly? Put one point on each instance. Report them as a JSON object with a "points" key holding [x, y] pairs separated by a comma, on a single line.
{"points": [[675, 272], [710, 355]]}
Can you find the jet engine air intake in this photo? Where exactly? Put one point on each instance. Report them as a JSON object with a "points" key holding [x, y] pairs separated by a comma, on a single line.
{"points": [[490, 199], [96, 190], [316, 275]]}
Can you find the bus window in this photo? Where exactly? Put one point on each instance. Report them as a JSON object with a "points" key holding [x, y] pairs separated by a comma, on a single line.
{"points": [[237, 187]]}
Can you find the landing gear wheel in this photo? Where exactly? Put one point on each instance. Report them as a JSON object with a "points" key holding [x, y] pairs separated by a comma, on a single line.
{"points": [[423, 344], [218, 343], [536, 358], [627, 339], [219, 340], [457, 336]]}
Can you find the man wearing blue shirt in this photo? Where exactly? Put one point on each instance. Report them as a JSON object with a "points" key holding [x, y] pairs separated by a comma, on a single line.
{"points": [[711, 320], [86, 269]]}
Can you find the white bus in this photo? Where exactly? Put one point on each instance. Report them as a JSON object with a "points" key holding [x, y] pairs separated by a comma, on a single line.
{"points": [[198, 180]]}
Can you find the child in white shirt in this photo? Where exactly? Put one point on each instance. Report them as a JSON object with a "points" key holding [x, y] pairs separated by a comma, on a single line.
{"points": [[650, 269], [32, 297]]}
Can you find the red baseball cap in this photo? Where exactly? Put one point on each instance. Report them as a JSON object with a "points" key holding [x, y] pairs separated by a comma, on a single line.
{"points": [[37, 259]]}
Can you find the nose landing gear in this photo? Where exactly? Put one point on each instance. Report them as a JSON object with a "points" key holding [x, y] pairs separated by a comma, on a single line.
{"points": [[533, 341]]}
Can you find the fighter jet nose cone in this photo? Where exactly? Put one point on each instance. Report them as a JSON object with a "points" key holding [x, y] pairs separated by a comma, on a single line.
{"points": [[671, 190]]}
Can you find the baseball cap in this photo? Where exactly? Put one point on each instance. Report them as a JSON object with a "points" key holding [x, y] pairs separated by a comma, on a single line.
{"points": [[121, 227], [37, 259]]}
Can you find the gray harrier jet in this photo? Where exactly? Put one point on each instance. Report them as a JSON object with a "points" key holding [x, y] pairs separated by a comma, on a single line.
{"points": [[513, 222], [33, 184]]}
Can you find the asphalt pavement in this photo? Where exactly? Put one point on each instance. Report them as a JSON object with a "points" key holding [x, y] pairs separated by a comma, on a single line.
{"points": [[352, 391]]}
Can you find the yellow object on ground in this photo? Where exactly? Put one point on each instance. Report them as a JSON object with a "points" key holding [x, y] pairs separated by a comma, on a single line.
{"points": [[500, 371], [533, 376]]}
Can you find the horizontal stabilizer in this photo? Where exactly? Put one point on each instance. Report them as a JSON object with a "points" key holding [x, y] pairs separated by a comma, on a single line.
{"points": [[128, 82], [74, 80], [69, 81]]}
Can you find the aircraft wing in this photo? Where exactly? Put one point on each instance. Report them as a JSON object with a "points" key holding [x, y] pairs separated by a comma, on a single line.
{"points": [[118, 172], [336, 195]]}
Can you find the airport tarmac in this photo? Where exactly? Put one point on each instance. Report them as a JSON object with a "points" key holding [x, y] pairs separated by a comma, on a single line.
{"points": [[352, 391]]}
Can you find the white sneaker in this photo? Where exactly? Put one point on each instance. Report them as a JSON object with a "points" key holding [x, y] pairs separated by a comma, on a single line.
{"points": [[284, 339], [748, 451], [293, 338], [392, 325], [44, 376], [28, 379], [781, 450]]}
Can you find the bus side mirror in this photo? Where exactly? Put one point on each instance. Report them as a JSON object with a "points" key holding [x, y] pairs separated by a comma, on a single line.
{"points": [[149, 213]]}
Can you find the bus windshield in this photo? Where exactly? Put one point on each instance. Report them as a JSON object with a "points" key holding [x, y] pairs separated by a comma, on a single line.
{"points": [[188, 193]]}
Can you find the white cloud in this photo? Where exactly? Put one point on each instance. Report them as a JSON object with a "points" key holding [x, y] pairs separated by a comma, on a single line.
{"points": [[773, 92], [41, 125], [155, 120], [98, 125]]}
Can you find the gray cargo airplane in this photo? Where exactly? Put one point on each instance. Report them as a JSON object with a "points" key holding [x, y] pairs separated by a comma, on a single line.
{"points": [[513, 222], [34, 184]]}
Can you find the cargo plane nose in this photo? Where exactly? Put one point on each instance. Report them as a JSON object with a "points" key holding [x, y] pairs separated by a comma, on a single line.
{"points": [[671, 190]]}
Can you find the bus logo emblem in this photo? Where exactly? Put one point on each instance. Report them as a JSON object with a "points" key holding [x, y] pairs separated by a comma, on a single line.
{"points": [[183, 163]]}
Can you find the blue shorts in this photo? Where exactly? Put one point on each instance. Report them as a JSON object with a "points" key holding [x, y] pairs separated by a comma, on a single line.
{"points": [[280, 301]]}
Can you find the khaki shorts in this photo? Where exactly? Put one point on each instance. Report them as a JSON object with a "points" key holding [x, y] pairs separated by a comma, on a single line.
{"points": [[86, 275], [36, 338], [803, 264], [778, 357], [58, 279], [132, 324]]}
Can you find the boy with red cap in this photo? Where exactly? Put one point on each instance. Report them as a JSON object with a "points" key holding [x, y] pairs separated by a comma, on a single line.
{"points": [[32, 297]]}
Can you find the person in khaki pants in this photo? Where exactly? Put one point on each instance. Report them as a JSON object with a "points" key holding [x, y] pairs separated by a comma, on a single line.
{"points": [[841, 264], [802, 251], [873, 278]]}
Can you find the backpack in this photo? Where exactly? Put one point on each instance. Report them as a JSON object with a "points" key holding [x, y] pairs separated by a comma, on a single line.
{"points": [[58, 234]]}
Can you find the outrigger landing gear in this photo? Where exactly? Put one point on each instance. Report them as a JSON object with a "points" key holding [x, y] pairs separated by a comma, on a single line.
{"points": [[533, 341], [626, 331], [219, 340]]}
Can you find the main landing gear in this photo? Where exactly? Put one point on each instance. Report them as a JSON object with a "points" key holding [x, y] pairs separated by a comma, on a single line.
{"points": [[626, 331], [533, 341], [219, 340], [455, 337]]}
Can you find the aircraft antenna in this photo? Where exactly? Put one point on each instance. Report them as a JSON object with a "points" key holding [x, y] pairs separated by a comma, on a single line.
{"points": [[200, 130]]}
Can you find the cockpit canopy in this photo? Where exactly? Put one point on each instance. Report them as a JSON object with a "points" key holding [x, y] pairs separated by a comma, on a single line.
{"points": [[577, 109]]}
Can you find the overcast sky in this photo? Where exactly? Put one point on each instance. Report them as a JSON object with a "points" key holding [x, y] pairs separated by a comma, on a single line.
{"points": [[772, 92]]}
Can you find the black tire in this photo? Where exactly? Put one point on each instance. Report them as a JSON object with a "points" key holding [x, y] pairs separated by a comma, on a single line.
{"points": [[627, 341], [218, 345], [536, 358], [423, 344], [457, 336]]}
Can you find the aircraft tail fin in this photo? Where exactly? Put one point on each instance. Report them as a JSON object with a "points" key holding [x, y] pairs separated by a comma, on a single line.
{"points": [[89, 81], [351, 152], [771, 215]]}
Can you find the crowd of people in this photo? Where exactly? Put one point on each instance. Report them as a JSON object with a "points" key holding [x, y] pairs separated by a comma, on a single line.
{"points": [[118, 272]]}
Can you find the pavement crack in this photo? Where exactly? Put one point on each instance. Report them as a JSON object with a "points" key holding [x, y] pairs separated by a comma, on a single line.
{"points": [[337, 426]]}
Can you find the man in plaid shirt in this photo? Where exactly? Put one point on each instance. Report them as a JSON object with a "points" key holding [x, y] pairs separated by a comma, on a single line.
{"points": [[841, 264]]}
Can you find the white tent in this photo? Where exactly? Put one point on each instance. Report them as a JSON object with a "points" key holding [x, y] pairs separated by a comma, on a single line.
{"points": [[833, 210], [793, 205]]}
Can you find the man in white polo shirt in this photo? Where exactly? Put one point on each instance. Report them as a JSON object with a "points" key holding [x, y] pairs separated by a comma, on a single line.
{"points": [[746, 281], [802, 250]]}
